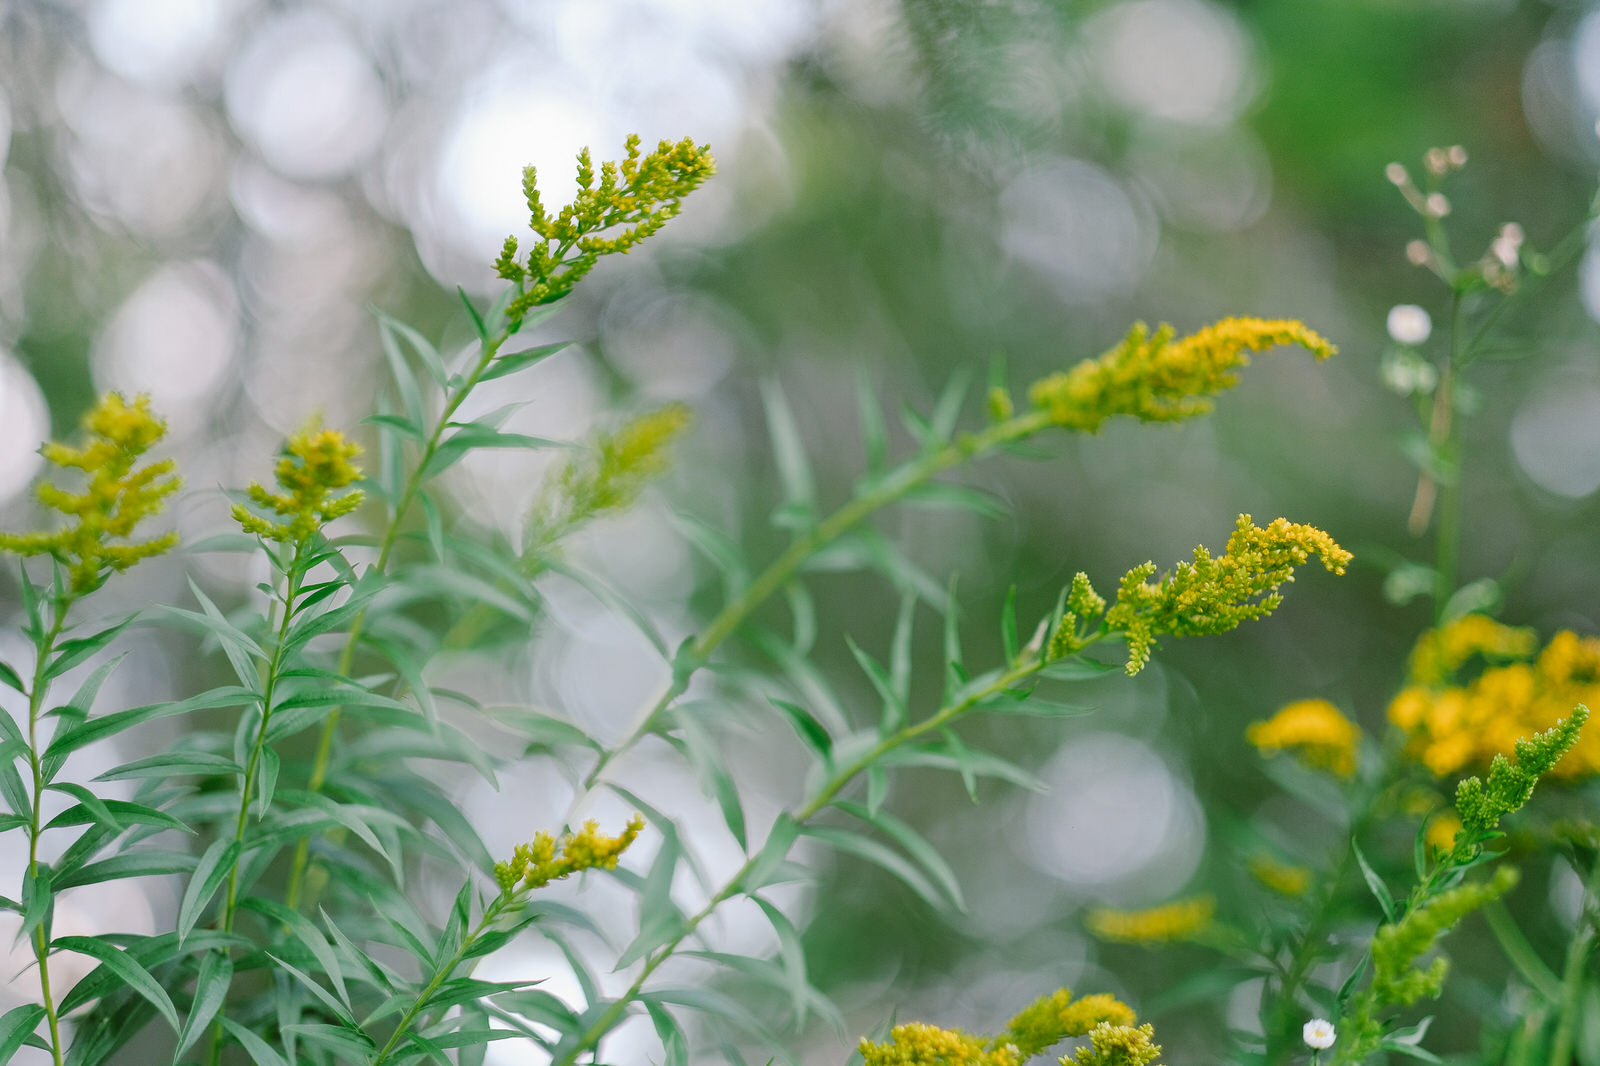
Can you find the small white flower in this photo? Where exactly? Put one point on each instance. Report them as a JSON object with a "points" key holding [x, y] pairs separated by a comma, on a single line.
{"points": [[1438, 204], [1319, 1033], [1409, 324]]}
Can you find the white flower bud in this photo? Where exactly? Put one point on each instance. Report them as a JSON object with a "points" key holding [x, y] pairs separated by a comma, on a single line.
{"points": [[1409, 324]]}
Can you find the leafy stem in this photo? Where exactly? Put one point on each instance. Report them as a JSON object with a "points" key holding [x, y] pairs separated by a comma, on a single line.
{"points": [[887, 490], [59, 605], [274, 669], [441, 974], [1018, 672], [298, 867]]}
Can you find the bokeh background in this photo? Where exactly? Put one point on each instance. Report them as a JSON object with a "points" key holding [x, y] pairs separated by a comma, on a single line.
{"points": [[201, 199]]}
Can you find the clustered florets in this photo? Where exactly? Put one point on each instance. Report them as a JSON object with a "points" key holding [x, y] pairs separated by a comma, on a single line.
{"points": [[315, 464], [1154, 378], [120, 494], [545, 859], [632, 200], [1450, 727], [1115, 1037], [1316, 731]]}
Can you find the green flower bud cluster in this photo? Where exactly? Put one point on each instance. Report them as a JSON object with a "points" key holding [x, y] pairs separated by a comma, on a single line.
{"points": [[632, 200], [546, 859], [1510, 784], [1154, 378], [315, 464], [120, 494], [1117, 1045], [1081, 604], [1214, 594], [1396, 979]]}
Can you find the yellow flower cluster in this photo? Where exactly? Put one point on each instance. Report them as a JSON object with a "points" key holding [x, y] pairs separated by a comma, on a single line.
{"points": [[1450, 727], [1441, 652], [920, 1044], [1315, 730], [1047, 1021], [1441, 832], [1281, 877], [1180, 920], [604, 479], [120, 494], [1152, 377], [1215, 594], [639, 194], [1117, 1045], [315, 463], [546, 859], [1056, 1017]]}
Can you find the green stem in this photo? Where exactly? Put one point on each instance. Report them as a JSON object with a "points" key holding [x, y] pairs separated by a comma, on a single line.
{"points": [[783, 569], [1445, 434], [252, 769], [36, 694], [440, 976], [298, 867], [608, 1019]]}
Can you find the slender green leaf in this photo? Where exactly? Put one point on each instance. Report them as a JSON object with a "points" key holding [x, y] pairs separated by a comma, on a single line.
{"points": [[1380, 891], [16, 1026], [210, 992], [127, 969], [174, 764], [511, 362], [258, 1049], [879, 855], [923, 853], [70, 653], [213, 868]]}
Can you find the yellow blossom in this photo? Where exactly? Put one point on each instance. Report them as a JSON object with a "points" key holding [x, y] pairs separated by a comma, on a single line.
{"points": [[546, 859], [119, 495], [1281, 877], [1441, 652], [1315, 730], [1452, 726], [1442, 829], [1177, 921], [1154, 378], [315, 463], [920, 1044]]}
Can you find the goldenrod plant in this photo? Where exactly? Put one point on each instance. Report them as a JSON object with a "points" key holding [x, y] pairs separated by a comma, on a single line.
{"points": [[299, 810]]}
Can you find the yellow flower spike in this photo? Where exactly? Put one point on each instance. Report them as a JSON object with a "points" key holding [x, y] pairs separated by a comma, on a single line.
{"points": [[1053, 1018], [118, 497], [315, 464], [546, 859], [1317, 733], [1152, 377], [1168, 923], [1214, 594]]}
